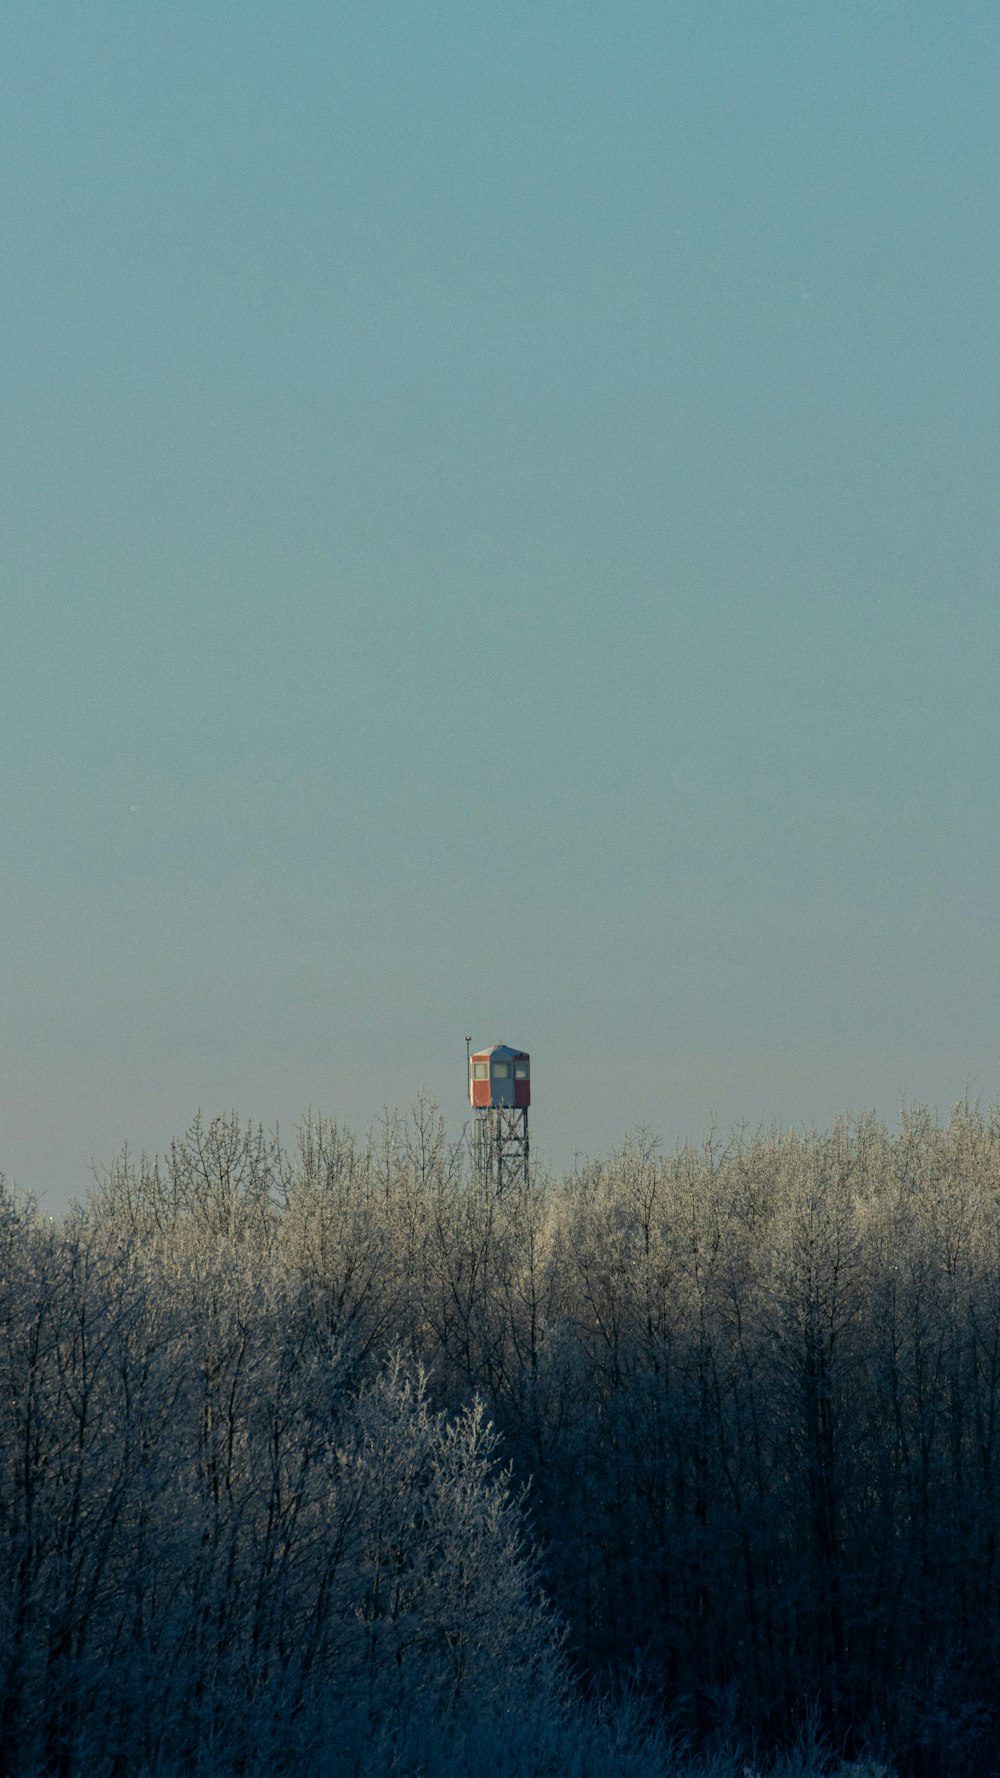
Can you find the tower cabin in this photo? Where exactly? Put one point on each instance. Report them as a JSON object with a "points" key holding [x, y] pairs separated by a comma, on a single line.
{"points": [[500, 1078]]}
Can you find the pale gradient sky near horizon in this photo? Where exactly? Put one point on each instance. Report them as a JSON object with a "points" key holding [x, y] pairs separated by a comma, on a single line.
{"points": [[499, 537]]}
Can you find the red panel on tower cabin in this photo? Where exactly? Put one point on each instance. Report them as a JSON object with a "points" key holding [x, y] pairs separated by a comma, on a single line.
{"points": [[522, 1094], [480, 1093]]}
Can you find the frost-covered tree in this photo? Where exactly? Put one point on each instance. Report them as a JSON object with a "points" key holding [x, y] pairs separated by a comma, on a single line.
{"points": [[278, 1429]]}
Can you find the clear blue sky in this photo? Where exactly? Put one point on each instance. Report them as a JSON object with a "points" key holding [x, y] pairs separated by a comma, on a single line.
{"points": [[499, 537]]}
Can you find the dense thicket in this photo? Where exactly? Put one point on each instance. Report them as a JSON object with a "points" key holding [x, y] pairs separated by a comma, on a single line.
{"points": [[253, 1511]]}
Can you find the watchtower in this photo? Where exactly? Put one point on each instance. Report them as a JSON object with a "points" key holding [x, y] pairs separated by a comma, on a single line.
{"points": [[500, 1093]]}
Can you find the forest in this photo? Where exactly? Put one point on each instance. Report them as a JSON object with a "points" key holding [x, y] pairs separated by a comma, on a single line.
{"points": [[328, 1458]]}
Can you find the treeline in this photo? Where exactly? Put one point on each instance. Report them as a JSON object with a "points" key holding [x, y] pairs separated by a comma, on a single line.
{"points": [[331, 1460]]}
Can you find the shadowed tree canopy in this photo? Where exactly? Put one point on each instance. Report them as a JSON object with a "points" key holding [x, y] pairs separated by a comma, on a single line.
{"points": [[336, 1454]]}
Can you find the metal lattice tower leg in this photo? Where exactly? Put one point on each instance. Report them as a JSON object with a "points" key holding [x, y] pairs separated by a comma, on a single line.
{"points": [[500, 1147]]}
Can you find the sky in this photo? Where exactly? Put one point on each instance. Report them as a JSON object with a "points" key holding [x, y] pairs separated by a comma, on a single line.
{"points": [[498, 538]]}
